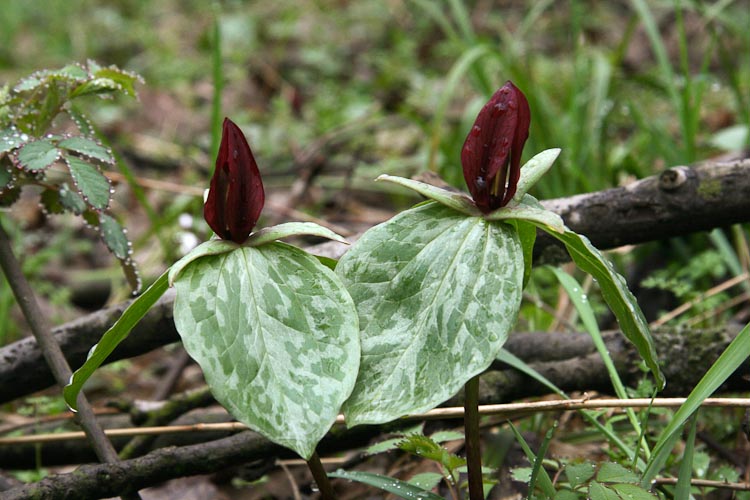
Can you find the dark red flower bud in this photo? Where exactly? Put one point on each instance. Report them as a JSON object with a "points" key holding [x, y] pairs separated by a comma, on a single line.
{"points": [[491, 155], [236, 195]]}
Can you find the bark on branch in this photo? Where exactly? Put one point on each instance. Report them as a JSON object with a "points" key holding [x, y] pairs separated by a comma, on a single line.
{"points": [[679, 201]]}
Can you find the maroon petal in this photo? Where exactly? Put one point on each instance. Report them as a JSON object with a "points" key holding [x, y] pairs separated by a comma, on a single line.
{"points": [[236, 197], [491, 155]]}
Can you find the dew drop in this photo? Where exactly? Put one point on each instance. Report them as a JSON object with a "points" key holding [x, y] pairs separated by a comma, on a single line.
{"points": [[476, 130], [480, 182]]}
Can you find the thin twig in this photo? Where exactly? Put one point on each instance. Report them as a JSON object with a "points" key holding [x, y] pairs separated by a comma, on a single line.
{"points": [[706, 483], [505, 410], [50, 348]]}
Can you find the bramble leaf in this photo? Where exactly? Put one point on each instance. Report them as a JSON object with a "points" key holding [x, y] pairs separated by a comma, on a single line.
{"points": [[37, 155], [92, 184]]}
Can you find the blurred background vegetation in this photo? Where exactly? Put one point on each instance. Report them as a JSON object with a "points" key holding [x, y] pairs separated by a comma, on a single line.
{"points": [[332, 93]]}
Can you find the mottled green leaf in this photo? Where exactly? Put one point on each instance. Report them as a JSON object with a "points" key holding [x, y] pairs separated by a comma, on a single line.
{"points": [[92, 184], [530, 210], [37, 155], [437, 293], [527, 236], [276, 335], [394, 486], [6, 177], [112, 338], [288, 229], [87, 147], [114, 236], [213, 246]]}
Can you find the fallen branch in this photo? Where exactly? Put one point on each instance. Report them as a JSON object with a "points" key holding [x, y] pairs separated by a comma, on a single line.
{"points": [[679, 201]]}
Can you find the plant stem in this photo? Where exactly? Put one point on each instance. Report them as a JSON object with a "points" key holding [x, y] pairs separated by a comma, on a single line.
{"points": [[51, 350], [320, 477], [471, 431]]}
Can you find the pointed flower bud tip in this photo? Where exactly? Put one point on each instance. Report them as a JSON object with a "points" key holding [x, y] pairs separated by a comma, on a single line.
{"points": [[491, 155], [236, 195]]}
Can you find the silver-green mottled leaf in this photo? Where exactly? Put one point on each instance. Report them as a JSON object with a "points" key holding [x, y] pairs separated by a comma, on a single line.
{"points": [[533, 170], [87, 147], [437, 293], [214, 246], [37, 155], [92, 184], [276, 335], [457, 201], [288, 229]]}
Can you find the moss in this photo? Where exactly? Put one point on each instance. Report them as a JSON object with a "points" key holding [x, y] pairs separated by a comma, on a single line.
{"points": [[709, 189]]}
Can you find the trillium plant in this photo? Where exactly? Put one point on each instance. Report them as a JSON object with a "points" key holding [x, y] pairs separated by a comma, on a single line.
{"points": [[415, 311]]}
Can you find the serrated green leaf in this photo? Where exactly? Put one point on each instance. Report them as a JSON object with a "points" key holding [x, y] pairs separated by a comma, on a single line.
{"points": [[578, 474], [6, 177], [276, 335], [37, 155], [114, 236], [29, 83], [87, 147], [443, 436], [401, 489], [601, 492], [615, 292], [92, 184], [72, 72], [71, 200], [96, 86], [437, 294], [84, 125], [633, 492], [112, 338], [289, 229], [568, 495], [10, 139], [610, 472], [533, 170], [426, 480], [124, 80], [9, 196], [383, 446], [425, 447]]}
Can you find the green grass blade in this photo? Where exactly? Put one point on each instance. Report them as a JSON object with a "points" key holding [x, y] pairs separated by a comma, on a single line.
{"points": [[218, 80], [682, 489], [586, 313], [735, 354], [539, 460], [545, 483], [112, 338], [394, 486]]}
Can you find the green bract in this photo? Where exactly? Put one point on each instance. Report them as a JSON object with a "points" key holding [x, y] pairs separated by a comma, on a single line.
{"points": [[437, 294], [275, 333]]}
